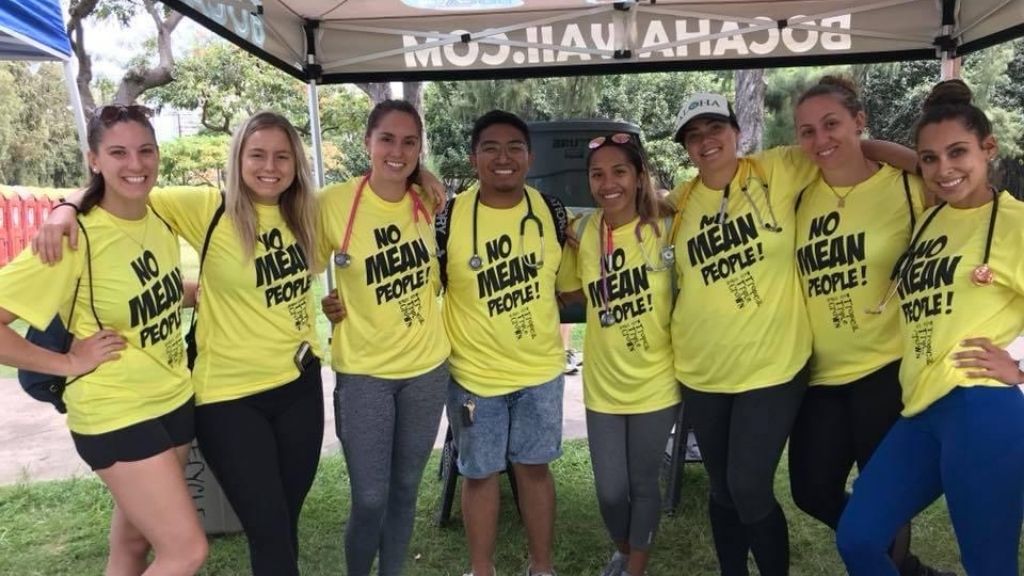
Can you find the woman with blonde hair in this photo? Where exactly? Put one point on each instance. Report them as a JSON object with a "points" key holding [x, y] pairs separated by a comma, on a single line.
{"points": [[259, 396]]}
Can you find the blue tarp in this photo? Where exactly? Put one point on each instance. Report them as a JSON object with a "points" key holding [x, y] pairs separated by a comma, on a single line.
{"points": [[33, 30]]}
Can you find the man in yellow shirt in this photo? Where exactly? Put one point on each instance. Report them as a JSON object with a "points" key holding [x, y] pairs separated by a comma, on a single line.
{"points": [[501, 259]]}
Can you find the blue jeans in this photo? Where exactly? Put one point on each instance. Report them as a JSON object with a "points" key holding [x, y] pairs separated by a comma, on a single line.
{"points": [[523, 427], [969, 445]]}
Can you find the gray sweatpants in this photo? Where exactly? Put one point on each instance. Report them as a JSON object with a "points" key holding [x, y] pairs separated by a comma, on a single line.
{"points": [[387, 430], [626, 451]]}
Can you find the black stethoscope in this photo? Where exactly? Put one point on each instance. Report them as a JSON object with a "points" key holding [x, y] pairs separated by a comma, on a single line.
{"points": [[342, 258], [476, 263], [982, 275], [667, 256]]}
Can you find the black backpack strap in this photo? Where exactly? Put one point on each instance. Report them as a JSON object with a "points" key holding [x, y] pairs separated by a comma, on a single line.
{"points": [[202, 254], [166, 225], [88, 264], [209, 232], [92, 299], [442, 230], [559, 214], [800, 197], [910, 201]]}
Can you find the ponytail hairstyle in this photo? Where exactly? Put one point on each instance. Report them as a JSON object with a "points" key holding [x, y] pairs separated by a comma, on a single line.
{"points": [[297, 203], [651, 206], [102, 119], [381, 110], [951, 100]]}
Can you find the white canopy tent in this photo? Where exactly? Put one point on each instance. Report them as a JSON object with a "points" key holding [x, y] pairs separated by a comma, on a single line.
{"points": [[383, 40], [331, 41]]}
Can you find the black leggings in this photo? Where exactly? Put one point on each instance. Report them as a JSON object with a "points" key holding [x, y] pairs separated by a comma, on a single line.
{"points": [[741, 438], [264, 450], [837, 427]]}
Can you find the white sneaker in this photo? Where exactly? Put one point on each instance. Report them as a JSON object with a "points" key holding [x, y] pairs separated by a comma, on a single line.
{"points": [[494, 572], [530, 572], [617, 565], [572, 365]]}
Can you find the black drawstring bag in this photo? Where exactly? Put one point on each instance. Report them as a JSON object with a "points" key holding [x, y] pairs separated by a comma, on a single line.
{"points": [[48, 387]]}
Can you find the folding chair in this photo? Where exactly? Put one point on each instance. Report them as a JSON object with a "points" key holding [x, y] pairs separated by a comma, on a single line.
{"points": [[681, 449], [448, 474]]}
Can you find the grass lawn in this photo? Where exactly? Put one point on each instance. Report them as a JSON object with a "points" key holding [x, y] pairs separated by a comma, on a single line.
{"points": [[60, 527]]}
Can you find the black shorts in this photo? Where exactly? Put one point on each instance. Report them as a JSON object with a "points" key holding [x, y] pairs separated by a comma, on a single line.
{"points": [[139, 441]]}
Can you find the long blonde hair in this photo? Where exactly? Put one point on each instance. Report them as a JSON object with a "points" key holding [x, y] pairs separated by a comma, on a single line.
{"points": [[298, 202]]}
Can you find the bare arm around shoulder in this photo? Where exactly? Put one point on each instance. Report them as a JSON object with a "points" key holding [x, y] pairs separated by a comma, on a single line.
{"points": [[48, 241]]}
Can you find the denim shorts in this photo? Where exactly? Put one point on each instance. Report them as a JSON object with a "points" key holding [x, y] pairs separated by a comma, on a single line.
{"points": [[523, 427]]}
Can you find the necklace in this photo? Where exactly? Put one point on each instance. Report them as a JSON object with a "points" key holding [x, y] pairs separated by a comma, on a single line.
{"points": [[145, 230], [841, 198]]}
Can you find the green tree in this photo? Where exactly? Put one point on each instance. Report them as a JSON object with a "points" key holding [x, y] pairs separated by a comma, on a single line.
{"points": [[38, 141], [197, 160], [652, 101]]}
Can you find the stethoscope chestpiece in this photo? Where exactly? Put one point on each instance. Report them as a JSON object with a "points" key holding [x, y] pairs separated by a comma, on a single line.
{"points": [[475, 263], [606, 318], [342, 259], [668, 254]]}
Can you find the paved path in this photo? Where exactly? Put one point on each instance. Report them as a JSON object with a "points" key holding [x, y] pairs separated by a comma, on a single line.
{"points": [[35, 443]]}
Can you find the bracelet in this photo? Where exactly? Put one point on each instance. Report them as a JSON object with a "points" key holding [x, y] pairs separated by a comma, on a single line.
{"points": [[66, 203]]}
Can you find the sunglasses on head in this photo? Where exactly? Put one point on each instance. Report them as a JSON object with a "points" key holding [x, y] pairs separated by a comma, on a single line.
{"points": [[617, 138], [117, 112]]}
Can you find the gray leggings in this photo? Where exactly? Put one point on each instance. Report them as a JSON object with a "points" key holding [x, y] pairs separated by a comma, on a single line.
{"points": [[387, 430], [626, 452]]}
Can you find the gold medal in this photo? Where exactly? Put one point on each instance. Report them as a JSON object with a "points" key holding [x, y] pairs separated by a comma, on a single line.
{"points": [[982, 275]]}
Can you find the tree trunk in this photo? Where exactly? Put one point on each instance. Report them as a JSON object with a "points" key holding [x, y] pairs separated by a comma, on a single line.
{"points": [[413, 93], [749, 108], [377, 91], [137, 80]]}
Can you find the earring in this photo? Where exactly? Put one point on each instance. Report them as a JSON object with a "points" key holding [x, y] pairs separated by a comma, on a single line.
{"points": [[95, 170]]}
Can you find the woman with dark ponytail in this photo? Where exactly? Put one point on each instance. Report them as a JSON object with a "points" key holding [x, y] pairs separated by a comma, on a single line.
{"points": [[130, 405], [960, 287], [390, 353], [853, 223]]}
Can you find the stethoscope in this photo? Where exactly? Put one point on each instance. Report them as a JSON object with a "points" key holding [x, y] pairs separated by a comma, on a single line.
{"points": [[723, 213], [342, 258], [982, 275], [476, 263], [667, 257]]}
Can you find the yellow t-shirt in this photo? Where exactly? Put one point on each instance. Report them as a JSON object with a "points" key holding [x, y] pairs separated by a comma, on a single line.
{"points": [[137, 290], [940, 306], [393, 328], [629, 367], [739, 322], [503, 318], [845, 256], [253, 314]]}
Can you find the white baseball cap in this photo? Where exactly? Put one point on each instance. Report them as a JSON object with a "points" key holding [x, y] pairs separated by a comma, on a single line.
{"points": [[703, 105]]}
